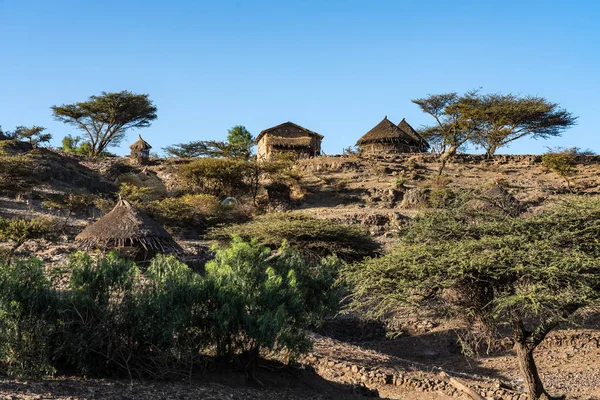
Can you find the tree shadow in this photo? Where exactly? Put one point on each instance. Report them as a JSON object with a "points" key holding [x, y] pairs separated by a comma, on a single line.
{"points": [[426, 352], [273, 381]]}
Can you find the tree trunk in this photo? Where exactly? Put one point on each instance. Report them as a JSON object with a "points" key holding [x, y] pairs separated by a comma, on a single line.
{"points": [[491, 151], [531, 378], [451, 152]]}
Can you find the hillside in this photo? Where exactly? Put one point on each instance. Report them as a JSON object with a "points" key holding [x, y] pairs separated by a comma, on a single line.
{"points": [[379, 193]]}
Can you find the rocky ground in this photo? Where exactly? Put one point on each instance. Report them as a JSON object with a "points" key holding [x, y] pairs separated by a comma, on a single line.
{"points": [[357, 191]]}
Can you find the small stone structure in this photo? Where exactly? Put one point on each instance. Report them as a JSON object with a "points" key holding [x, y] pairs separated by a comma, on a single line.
{"points": [[140, 151], [387, 137], [288, 138]]}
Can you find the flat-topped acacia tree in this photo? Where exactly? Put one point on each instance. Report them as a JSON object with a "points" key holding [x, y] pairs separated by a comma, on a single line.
{"points": [[105, 119], [533, 274], [490, 121]]}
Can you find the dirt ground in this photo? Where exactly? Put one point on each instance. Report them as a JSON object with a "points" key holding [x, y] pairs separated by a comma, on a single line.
{"points": [[350, 190]]}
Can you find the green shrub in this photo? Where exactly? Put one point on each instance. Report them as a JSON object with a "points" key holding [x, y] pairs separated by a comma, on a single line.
{"points": [[110, 320], [313, 237], [16, 172], [217, 176], [191, 211], [268, 302], [561, 162], [19, 230], [134, 194], [26, 306], [399, 182]]}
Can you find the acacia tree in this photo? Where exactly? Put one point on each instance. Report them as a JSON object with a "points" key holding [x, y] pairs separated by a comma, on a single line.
{"points": [[238, 146], [450, 130], [535, 274], [501, 119], [105, 119], [34, 135]]}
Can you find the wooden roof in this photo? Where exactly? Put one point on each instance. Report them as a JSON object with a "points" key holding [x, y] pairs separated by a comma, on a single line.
{"points": [[290, 124]]}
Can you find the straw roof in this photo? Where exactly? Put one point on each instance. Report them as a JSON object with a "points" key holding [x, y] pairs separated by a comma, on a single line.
{"points": [[288, 142], [140, 144], [281, 128], [124, 226], [387, 131], [405, 126]]}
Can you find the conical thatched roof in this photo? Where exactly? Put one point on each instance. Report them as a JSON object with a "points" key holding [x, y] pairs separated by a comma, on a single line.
{"points": [[140, 144], [405, 126], [387, 131], [126, 225]]}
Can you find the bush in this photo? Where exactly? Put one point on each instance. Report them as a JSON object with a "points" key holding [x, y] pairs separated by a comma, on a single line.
{"points": [[313, 237], [134, 194], [268, 302], [109, 319], [217, 176], [16, 172], [189, 211], [561, 162], [399, 182], [19, 230]]}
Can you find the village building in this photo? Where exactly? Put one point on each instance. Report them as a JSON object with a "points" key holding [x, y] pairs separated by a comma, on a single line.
{"points": [[387, 137], [140, 151], [130, 231], [288, 138]]}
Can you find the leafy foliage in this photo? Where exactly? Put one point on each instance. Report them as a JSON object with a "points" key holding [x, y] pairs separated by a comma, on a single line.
{"points": [[238, 146], [33, 135], [217, 176], [313, 237], [76, 145], [16, 172], [105, 119], [18, 230], [562, 162], [533, 273], [490, 120], [110, 319]]}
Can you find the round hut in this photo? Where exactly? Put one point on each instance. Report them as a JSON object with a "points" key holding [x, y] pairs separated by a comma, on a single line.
{"points": [[140, 151], [387, 137], [130, 231]]}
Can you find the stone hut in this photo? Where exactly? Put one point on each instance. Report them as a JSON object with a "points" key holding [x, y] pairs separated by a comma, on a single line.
{"points": [[130, 231], [140, 151], [288, 138], [387, 137]]}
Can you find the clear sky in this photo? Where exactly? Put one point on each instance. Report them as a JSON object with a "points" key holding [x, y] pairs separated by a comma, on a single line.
{"points": [[336, 67]]}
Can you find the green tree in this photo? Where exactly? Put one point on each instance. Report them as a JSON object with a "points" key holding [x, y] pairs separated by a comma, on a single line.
{"points": [[535, 273], [502, 119], [450, 131], [238, 146], [239, 143], [34, 135], [105, 119]]}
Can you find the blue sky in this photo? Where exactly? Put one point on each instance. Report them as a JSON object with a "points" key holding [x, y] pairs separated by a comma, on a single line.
{"points": [[334, 66]]}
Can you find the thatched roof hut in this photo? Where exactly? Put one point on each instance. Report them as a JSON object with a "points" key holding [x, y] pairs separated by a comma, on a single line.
{"points": [[387, 137], [140, 150], [127, 226], [288, 137], [405, 126]]}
